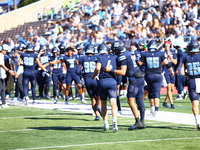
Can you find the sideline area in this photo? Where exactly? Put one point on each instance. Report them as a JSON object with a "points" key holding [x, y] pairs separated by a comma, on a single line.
{"points": [[171, 117]]}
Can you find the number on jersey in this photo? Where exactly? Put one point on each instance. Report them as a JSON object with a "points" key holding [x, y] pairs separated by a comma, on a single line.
{"points": [[153, 62], [28, 61], [89, 66], [193, 68]]}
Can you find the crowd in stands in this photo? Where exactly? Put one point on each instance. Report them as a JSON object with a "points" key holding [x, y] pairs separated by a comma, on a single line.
{"points": [[90, 21]]}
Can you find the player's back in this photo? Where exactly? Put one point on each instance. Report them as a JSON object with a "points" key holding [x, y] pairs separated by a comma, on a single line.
{"points": [[88, 63], [28, 60], [107, 61], [192, 64], [127, 59], [153, 61]]}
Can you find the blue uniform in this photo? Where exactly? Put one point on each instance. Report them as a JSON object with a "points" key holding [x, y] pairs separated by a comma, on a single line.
{"points": [[192, 66], [167, 74], [44, 79], [153, 64], [29, 72], [180, 80], [107, 80], [136, 85], [71, 69], [137, 54], [57, 74], [88, 63]]}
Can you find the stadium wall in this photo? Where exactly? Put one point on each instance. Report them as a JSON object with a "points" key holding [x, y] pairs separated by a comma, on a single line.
{"points": [[24, 14]]}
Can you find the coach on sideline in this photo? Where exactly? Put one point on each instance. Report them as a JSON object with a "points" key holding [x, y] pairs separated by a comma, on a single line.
{"points": [[3, 70]]}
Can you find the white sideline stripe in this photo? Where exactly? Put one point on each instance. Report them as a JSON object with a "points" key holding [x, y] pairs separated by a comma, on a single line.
{"points": [[111, 143]]}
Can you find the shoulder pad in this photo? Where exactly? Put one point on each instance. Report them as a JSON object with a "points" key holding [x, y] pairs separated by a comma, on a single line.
{"points": [[121, 58]]}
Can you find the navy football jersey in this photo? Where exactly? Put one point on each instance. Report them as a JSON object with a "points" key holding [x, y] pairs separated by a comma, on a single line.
{"points": [[192, 65], [70, 63], [28, 60], [127, 59], [88, 63], [107, 61], [79, 56], [137, 54], [45, 58], [57, 68], [153, 61], [180, 55]]}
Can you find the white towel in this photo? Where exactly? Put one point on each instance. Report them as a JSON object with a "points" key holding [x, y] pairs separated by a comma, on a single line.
{"points": [[164, 80], [197, 82]]}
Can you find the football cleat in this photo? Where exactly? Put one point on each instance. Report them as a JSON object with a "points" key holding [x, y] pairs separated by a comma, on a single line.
{"points": [[55, 100], [137, 125], [179, 97], [19, 99], [97, 118], [172, 106], [14, 99], [106, 126], [166, 105], [143, 124], [25, 100], [198, 127], [66, 102], [119, 113], [34, 102], [155, 114], [48, 97], [115, 128], [152, 111], [83, 101], [4, 106]]}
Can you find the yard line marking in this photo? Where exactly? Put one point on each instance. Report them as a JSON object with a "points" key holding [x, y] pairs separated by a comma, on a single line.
{"points": [[110, 143]]}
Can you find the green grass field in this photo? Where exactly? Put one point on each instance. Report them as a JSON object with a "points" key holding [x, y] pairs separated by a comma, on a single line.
{"points": [[34, 128]]}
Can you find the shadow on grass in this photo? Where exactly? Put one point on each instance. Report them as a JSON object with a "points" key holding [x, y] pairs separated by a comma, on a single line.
{"points": [[76, 114], [67, 118], [180, 128], [63, 118], [88, 129]]}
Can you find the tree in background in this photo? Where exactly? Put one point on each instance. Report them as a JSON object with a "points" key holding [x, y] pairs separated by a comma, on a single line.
{"points": [[26, 2]]}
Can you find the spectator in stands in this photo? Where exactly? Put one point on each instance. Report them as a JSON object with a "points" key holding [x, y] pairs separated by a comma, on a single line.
{"points": [[1, 10]]}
